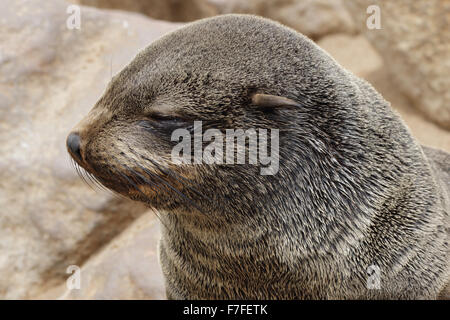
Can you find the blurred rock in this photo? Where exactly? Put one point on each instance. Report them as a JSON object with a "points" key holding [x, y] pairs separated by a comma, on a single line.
{"points": [[127, 268], [414, 41], [314, 18], [354, 53], [171, 10], [50, 77]]}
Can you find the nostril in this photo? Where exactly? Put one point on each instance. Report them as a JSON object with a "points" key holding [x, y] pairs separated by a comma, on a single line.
{"points": [[73, 144]]}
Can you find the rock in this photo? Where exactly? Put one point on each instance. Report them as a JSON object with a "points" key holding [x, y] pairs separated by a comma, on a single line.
{"points": [[127, 268], [51, 76], [354, 53], [174, 10], [414, 41], [314, 18]]}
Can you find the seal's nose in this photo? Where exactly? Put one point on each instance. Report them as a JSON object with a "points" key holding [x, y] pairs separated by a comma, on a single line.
{"points": [[73, 144]]}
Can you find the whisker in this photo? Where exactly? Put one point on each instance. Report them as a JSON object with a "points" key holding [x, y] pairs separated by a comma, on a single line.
{"points": [[177, 177], [179, 193], [167, 172], [135, 186], [90, 179], [80, 174], [169, 186], [98, 183], [152, 185], [172, 174]]}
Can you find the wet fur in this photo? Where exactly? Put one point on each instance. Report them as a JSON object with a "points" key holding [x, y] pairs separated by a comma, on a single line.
{"points": [[354, 188]]}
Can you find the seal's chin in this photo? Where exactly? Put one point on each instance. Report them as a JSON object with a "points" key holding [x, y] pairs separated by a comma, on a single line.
{"points": [[154, 188], [90, 177], [143, 193]]}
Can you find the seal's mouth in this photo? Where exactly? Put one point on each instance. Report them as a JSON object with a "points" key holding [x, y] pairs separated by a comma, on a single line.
{"points": [[133, 175]]}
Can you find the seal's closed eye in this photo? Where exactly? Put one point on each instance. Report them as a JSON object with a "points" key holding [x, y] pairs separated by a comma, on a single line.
{"points": [[165, 118], [162, 121]]}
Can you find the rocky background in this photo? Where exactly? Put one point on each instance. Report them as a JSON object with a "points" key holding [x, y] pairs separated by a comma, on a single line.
{"points": [[51, 75]]}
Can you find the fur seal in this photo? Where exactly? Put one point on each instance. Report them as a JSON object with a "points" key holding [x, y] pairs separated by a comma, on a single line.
{"points": [[357, 210]]}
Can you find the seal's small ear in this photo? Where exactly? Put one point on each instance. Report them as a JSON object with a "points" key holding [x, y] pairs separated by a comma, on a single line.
{"points": [[269, 101]]}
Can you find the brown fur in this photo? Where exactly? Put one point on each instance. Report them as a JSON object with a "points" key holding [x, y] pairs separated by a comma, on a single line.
{"points": [[354, 188]]}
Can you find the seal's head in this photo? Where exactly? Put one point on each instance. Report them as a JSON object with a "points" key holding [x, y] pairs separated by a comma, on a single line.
{"points": [[232, 71], [353, 187]]}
